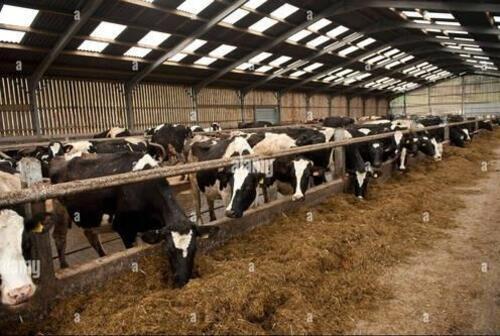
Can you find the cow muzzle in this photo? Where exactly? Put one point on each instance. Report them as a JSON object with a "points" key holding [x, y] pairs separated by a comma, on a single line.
{"points": [[233, 214], [298, 197], [18, 296]]}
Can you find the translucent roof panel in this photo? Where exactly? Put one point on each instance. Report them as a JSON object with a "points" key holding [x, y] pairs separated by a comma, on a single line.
{"points": [[11, 36], [264, 68], [412, 14], [337, 31], [320, 24], [244, 66], [280, 60], [19, 16], [194, 6], [137, 52], [92, 46], [235, 16], [318, 41], [177, 57], [260, 57], [284, 11], [348, 50], [254, 4], [195, 45], [154, 38], [313, 67], [263, 25], [205, 61], [108, 30], [222, 50], [366, 42], [439, 16], [300, 35], [297, 73]]}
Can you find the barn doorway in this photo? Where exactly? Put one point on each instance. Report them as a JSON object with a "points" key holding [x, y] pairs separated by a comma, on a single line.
{"points": [[269, 114]]}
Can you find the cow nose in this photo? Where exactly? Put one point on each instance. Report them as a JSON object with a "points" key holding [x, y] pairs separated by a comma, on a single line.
{"points": [[21, 294], [298, 197], [232, 214]]}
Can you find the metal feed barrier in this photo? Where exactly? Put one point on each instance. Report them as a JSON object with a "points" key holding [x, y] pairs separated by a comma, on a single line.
{"points": [[89, 274]]}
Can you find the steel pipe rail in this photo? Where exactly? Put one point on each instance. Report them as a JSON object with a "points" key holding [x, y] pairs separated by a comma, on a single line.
{"points": [[43, 192]]}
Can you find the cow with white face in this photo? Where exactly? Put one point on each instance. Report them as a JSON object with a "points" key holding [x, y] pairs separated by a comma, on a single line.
{"points": [[17, 285], [215, 184]]}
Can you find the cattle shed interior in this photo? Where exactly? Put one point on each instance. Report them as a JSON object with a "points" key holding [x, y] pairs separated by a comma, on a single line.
{"points": [[391, 74], [77, 67]]}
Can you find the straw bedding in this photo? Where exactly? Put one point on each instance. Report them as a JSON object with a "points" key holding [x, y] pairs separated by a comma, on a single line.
{"points": [[292, 276]]}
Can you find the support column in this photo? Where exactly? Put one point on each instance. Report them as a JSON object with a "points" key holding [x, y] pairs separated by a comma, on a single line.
{"points": [[363, 105], [330, 99], [194, 105], [130, 110], [463, 95], [404, 104], [429, 108], [308, 108], [278, 99], [35, 116], [348, 99], [241, 97]]}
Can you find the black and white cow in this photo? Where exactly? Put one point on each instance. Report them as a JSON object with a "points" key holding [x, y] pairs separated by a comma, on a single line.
{"points": [[215, 184], [173, 138], [137, 208], [255, 124], [338, 122], [114, 132], [17, 285], [214, 127]]}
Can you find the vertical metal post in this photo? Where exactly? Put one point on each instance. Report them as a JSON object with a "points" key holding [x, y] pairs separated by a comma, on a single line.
{"points": [[429, 108], [363, 105], [446, 133], [330, 98], [31, 174], [193, 94], [35, 116], [463, 95], [241, 96], [404, 104], [308, 106], [129, 107], [339, 155], [348, 98], [278, 98]]}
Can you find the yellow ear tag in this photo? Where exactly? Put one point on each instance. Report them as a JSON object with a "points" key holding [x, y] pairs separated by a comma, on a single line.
{"points": [[261, 181], [38, 228]]}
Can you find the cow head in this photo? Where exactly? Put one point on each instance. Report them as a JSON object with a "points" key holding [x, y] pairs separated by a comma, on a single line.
{"points": [[216, 127], [430, 147], [361, 182], [376, 152], [486, 125], [411, 143], [15, 251], [244, 190], [301, 171]]}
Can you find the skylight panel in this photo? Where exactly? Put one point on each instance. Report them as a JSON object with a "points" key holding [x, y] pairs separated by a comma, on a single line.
{"points": [[260, 57], [407, 58], [366, 42], [481, 57], [496, 18], [244, 66], [284, 11], [375, 59], [318, 41], [412, 14], [448, 23], [263, 25], [19, 16], [137, 52], [235, 16], [222, 50], [264, 68], [254, 4], [297, 73], [177, 57], [363, 76], [440, 16], [344, 72], [392, 65], [205, 61], [195, 45], [464, 39], [348, 51], [108, 30], [280, 60], [320, 24], [92, 46], [313, 67], [154, 38], [391, 52], [422, 21], [11, 36], [194, 6], [337, 31], [300, 35], [456, 32]]}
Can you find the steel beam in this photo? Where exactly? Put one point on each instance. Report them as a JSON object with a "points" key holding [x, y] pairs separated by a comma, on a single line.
{"points": [[188, 40], [457, 6], [85, 15], [340, 7]]}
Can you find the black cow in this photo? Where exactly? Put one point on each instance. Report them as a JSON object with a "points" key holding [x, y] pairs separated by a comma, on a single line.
{"points": [[142, 207], [214, 127], [173, 138], [114, 132]]}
